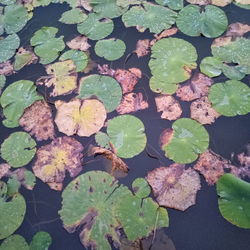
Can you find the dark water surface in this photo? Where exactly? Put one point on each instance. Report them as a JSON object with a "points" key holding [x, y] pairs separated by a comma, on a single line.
{"points": [[201, 227]]}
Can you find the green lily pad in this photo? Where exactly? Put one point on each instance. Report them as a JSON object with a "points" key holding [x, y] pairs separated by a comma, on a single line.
{"points": [[156, 18], [18, 149], [7, 2], [73, 16], [23, 58], [102, 140], [172, 61], [40, 241], [105, 88], [95, 28], [172, 4], [189, 140], [14, 242], [111, 49], [3, 189], [163, 87], [12, 215], [127, 135], [232, 72], [47, 46], [211, 66], [141, 188], [211, 22], [8, 47], [15, 99], [79, 58], [234, 200], [126, 3], [230, 98], [2, 82], [244, 6]]}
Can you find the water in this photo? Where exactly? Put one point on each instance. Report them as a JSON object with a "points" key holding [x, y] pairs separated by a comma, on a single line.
{"points": [[201, 227]]}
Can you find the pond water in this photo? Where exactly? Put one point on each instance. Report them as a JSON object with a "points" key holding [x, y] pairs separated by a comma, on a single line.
{"points": [[201, 227]]}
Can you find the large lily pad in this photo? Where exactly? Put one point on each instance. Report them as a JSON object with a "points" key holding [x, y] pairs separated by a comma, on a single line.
{"points": [[73, 16], [14, 242], [18, 149], [15, 98], [149, 16], [127, 135], [234, 200], [47, 46], [212, 22], [189, 140], [105, 88], [230, 98]]}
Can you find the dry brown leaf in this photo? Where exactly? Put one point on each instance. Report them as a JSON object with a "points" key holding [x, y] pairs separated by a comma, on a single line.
{"points": [[221, 3], [170, 108], [244, 159], [54, 159], [200, 2], [79, 43], [202, 111], [132, 102], [4, 170], [6, 68], [174, 186], [82, 117], [85, 4], [222, 41], [105, 70], [142, 47], [194, 88], [165, 137], [163, 34], [237, 29], [38, 121]]}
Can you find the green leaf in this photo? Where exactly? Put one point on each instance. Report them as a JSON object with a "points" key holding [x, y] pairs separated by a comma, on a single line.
{"points": [[127, 135], [7, 2], [13, 186], [232, 72], [234, 200], [163, 87], [47, 46], [172, 4], [96, 28], [141, 188], [126, 3], [111, 49], [73, 16], [40, 241], [102, 140], [8, 47], [154, 17], [22, 59], [14, 242], [105, 88], [211, 66], [18, 149], [2, 82], [12, 215], [230, 98], [189, 140], [15, 98], [3, 189]]}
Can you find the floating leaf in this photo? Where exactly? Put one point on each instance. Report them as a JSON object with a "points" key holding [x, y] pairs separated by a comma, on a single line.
{"points": [[230, 98], [174, 186], [211, 66], [8, 47], [105, 88], [41, 241], [154, 17], [7, 2], [14, 242], [234, 200], [84, 118], [2, 82], [6, 68], [127, 140], [54, 159], [189, 140], [163, 87], [73, 16], [172, 4], [79, 43], [18, 149], [111, 49], [102, 140], [95, 27], [126, 3], [15, 98], [47, 46], [211, 22], [142, 47], [141, 188]]}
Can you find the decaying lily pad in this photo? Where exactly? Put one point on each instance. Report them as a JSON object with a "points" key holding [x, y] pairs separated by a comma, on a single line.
{"points": [[163, 34], [189, 140], [127, 140], [237, 29], [13, 242], [174, 186], [230, 98], [169, 106], [165, 137], [4, 169], [142, 47], [79, 43], [84, 117], [38, 121], [73, 16], [6, 69], [18, 149], [234, 200], [54, 159]]}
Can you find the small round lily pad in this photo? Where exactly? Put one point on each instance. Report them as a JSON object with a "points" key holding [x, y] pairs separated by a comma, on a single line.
{"points": [[40, 241], [141, 188]]}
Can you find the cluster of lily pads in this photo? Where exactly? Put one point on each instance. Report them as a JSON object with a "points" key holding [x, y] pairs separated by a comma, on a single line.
{"points": [[100, 105]]}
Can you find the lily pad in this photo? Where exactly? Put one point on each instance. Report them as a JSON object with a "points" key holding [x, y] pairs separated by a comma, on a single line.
{"points": [[15, 98], [2, 82], [47, 46], [18, 149], [95, 27], [234, 200], [8, 47], [73, 16], [156, 18], [163, 87], [105, 88], [102, 140], [172, 4], [230, 98], [14, 242], [111, 49], [211, 22], [141, 188], [127, 140], [189, 140], [40, 241], [211, 66]]}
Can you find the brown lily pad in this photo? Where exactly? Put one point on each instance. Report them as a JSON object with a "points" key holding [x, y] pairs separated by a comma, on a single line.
{"points": [[169, 106], [105, 70], [202, 111], [221, 3], [142, 47], [38, 121], [132, 102], [163, 34], [6, 68], [165, 137], [82, 117], [4, 170], [199, 2], [54, 159], [174, 186], [237, 29], [79, 43]]}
